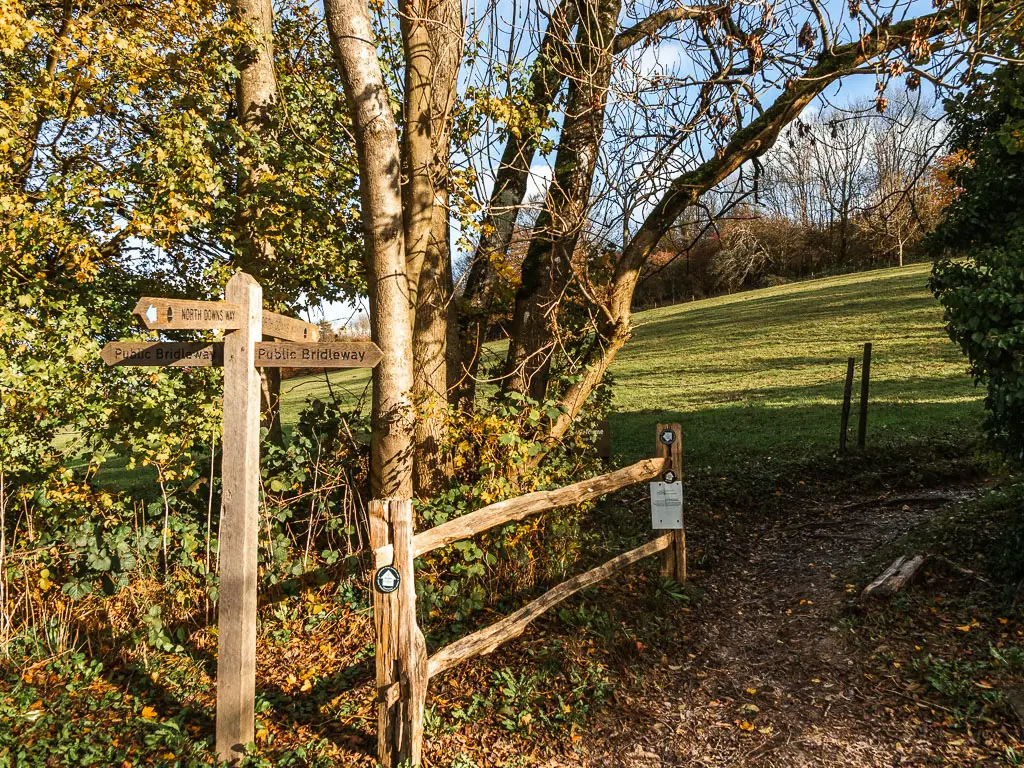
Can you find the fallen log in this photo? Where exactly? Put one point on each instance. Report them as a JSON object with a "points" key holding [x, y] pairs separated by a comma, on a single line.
{"points": [[894, 578]]}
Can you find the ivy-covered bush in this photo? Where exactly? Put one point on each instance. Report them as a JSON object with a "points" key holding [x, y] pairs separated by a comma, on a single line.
{"points": [[984, 300], [314, 490], [980, 278], [493, 454]]}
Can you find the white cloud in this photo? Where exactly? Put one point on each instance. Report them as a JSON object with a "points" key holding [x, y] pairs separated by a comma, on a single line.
{"points": [[540, 178]]}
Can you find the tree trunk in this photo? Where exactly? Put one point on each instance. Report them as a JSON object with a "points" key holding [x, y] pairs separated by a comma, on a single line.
{"points": [[270, 402], [417, 146], [377, 147], [23, 165], [548, 264], [256, 98], [685, 190], [476, 308], [510, 184], [431, 372]]}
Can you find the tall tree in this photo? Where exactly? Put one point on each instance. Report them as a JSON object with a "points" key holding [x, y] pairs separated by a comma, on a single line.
{"points": [[475, 308], [557, 231], [256, 97], [429, 169], [378, 148]]}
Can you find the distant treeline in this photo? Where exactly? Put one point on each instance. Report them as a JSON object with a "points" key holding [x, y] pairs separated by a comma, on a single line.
{"points": [[840, 193]]}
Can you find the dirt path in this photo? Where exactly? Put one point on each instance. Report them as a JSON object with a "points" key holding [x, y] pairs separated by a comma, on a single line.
{"points": [[768, 675]]}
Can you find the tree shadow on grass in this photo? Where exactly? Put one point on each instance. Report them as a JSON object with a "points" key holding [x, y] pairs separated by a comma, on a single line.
{"points": [[797, 422]]}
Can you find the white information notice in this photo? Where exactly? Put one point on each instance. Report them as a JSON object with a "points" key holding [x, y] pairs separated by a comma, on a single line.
{"points": [[667, 506]]}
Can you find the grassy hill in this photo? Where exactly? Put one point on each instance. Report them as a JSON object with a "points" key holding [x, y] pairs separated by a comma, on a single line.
{"points": [[761, 373]]}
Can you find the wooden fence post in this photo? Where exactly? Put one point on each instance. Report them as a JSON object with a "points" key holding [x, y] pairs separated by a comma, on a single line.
{"points": [[401, 653], [385, 625], [239, 525], [865, 381], [412, 648], [847, 397], [673, 559]]}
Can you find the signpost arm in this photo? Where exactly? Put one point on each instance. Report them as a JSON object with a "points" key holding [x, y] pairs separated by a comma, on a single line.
{"points": [[239, 525]]}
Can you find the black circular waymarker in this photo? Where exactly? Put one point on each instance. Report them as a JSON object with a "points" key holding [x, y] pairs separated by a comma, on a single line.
{"points": [[668, 436], [669, 476], [387, 579]]}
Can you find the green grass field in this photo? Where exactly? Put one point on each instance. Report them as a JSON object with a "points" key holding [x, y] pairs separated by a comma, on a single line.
{"points": [[761, 373]]}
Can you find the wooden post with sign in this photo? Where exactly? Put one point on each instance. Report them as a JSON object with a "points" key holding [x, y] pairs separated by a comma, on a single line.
{"points": [[242, 352], [669, 444]]}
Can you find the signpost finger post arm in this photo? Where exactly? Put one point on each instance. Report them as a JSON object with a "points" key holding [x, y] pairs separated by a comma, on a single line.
{"points": [[239, 526]]}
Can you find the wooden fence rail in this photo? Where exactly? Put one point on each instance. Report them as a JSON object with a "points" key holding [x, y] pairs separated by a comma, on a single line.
{"points": [[512, 626], [403, 668], [520, 507]]}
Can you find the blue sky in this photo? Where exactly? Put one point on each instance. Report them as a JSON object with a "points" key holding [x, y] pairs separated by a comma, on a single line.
{"points": [[668, 56]]}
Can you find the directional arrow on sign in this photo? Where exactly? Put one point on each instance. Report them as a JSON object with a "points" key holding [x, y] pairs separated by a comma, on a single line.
{"points": [[177, 354], [170, 314], [334, 355]]}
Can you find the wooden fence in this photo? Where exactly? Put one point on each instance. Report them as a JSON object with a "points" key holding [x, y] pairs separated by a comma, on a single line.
{"points": [[403, 667]]}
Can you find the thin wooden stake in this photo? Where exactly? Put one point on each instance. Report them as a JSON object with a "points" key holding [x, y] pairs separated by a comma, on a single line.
{"points": [[865, 382], [239, 525], [673, 559], [847, 397], [5, 620]]}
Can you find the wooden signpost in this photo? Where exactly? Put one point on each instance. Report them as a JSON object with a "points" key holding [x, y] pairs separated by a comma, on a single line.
{"points": [[241, 353]]}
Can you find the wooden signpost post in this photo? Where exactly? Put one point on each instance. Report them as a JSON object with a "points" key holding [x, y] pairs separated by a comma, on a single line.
{"points": [[241, 353]]}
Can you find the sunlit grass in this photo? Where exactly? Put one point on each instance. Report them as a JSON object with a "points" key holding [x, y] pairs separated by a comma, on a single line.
{"points": [[761, 373]]}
